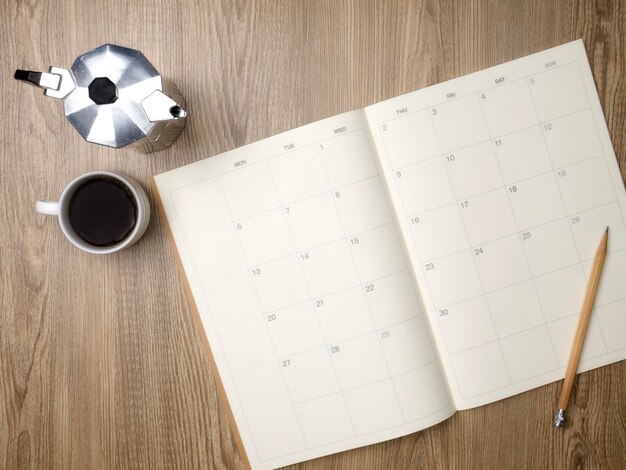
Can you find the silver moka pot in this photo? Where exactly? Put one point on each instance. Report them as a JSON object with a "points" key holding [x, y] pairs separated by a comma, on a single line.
{"points": [[113, 96]]}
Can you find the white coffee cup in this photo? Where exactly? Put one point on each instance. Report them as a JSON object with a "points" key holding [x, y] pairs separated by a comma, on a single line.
{"points": [[61, 209]]}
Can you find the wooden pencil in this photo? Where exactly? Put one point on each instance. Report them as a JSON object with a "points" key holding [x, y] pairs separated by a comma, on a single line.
{"points": [[581, 331]]}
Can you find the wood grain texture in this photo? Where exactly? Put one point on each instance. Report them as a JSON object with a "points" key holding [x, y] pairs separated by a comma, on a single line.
{"points": [[100, 362]]}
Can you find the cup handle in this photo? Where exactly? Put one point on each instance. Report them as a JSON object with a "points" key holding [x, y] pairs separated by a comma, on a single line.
{"points": [[47, 207]]}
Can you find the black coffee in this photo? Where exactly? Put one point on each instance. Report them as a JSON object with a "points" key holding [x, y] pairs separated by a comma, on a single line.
{"points": [[103, 211]]}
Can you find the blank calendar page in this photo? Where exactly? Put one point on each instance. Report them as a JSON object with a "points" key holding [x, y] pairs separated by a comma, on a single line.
{"points": [[304, 292], [503, 182]]}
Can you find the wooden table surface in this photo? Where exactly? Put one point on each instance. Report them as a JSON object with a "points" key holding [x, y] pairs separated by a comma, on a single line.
{"points": [[100, 364]]}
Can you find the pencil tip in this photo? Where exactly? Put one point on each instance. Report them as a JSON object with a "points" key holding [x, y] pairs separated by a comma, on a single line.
{"points": [[607, 229]]}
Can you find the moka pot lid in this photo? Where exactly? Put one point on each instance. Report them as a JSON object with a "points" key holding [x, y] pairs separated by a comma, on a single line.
{"points": [[111, 82]]}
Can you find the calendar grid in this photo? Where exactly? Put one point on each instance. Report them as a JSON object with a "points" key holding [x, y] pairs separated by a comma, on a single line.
{"points": [[513, 182], [306, 198], [414, 216], [308, 288], [386, 379], [338, 291], [484, 141], [546, 323], [526, 229], [526, 280], [346, 340], [465, 299], [272, 157], [553, 169], [305, 250], [402, 203], [480, 280], [228, 367], [382, 352], [322, 245], [434, 413], [460, 97], [517, 228], [481, 244], [601, 143], [295, 252], [258, 300], [594, 318], [510, 183]]}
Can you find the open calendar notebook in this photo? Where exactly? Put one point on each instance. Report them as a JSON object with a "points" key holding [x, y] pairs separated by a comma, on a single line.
{"points": [[363, 277]]}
